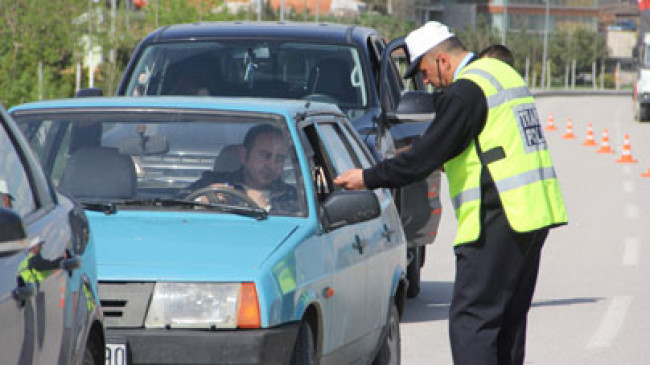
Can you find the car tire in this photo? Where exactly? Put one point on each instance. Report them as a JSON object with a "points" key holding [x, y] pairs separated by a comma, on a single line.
{"points": [[413, 273], [93, 354], [423, 254], [390, 350], [304, 350], [644, 113]]}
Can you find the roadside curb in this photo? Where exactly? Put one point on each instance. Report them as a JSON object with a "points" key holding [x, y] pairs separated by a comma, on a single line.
{"points": [[543, 93]]}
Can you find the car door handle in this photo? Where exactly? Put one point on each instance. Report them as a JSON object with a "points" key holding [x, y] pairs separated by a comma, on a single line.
{"points": [[387, 233], [24, 292], [359, 244]]}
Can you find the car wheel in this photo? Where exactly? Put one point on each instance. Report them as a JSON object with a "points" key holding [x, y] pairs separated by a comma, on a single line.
{"points": [[303, 352], [423, 254], [644, 113], [413, 273], [93, 354], [390, 351]]}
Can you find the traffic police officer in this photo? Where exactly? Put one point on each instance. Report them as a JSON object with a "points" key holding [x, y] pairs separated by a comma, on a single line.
{"points": [[502, 184]]}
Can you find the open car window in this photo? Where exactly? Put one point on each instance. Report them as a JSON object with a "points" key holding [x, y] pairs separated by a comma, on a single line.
{"points": [[122, 156], [253, 68]]}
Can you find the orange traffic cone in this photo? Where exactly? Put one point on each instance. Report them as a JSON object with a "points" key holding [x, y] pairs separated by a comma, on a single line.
{"points": [[568, 134], [590, 141], [626, 156], [647, 173], [550, 123], [604, 145]]}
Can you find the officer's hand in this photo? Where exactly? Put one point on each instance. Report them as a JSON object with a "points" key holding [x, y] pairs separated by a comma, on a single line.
{"points": [[351, 179]]}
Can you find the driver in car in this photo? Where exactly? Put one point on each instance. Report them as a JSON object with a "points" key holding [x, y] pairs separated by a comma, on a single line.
{"points": [[262, 158]]}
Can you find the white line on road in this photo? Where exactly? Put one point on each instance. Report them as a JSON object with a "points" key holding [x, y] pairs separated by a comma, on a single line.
{"points": [[631, 252], [611, 323], [628, 186], [627, 170], [631, 211]]}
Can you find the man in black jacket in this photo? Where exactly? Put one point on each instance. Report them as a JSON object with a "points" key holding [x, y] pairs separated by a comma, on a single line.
{"points": [[262, 158], [503, 187]]}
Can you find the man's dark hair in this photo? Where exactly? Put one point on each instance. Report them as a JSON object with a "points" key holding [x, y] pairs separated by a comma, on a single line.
{"points": [[500, 52], [254, 132], [451, 45]]}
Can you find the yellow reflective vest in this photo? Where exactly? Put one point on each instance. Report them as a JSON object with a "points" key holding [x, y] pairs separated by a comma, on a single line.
{"points": [[513, 148]]}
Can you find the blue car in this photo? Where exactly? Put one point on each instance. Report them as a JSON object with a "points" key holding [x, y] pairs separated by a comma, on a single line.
{"points": [[49, 306], [220, 235]]}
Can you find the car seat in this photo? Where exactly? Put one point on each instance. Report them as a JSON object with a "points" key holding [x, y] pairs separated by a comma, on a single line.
{"points": [[98, 173], [332, 77], [228, 159], [191, 78]]}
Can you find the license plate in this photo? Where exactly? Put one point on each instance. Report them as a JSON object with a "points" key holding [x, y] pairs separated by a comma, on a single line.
{"points": [[115, 354]]}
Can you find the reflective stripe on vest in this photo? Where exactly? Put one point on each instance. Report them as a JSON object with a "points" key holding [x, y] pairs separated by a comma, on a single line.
{"points": [[502, 96], [510, 183], [521, 168]]}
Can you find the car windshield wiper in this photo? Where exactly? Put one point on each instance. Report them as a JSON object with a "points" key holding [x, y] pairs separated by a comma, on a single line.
{"points": [[254, 212]]}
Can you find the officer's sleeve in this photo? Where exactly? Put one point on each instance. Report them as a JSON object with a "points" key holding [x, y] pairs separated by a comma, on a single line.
{"points": [[461, 112]]}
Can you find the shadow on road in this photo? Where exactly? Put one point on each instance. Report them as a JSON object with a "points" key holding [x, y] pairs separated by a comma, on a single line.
{"points": [[563, 302], [431, 305], [433, 302]]}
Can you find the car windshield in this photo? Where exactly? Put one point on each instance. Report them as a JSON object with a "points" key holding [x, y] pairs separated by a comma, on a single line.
{"points": [[164, 159], [253, 68]]}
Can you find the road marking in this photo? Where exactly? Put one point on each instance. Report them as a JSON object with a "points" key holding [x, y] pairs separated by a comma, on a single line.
{"points": [[627, 170], [628, 186], [631, 211], [631, 252], [611, 323]]}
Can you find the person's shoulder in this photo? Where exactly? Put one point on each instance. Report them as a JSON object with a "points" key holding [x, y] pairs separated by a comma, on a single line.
{"points": [[463, 90]]}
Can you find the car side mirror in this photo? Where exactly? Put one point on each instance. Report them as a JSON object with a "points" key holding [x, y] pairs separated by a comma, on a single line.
{"points": [[12, 235], [349, 207], [89, 92], [414, 106]]}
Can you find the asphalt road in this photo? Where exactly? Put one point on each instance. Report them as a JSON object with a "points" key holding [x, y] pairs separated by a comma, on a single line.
{"points": [[592, 303]]}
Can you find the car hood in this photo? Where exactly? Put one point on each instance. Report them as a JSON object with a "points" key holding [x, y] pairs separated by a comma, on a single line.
{"points": [[132, 246]]}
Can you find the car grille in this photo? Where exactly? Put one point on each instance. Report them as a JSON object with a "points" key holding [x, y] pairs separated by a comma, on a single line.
{"points": [[125, 304]]}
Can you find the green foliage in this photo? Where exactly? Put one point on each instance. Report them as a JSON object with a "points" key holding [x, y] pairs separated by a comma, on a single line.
{"points": [[479, 36], [50, 33]]}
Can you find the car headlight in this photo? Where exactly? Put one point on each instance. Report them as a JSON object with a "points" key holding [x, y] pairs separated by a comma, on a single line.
{"points": [[201, 305]]}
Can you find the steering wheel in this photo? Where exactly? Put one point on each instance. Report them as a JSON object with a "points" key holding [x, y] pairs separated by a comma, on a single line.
{"points": [[322, 98], [214, 194]]}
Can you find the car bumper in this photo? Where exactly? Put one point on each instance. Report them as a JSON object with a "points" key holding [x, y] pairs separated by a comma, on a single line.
{"points": [[260, 346]]}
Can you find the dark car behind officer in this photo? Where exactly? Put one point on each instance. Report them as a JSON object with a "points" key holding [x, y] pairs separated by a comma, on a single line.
{"points": [[502, 185]]}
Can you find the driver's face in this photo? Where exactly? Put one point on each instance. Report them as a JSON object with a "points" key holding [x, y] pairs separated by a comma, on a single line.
{"points": [[265, 161]]}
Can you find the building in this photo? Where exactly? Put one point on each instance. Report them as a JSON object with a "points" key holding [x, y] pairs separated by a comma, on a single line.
{"points": [[334, 7], [530, 15]]}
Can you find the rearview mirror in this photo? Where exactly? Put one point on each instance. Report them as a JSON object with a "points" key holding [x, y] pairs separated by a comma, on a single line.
{"points": [[89, 92], [144, 146], [349, 207], [12, 234]]}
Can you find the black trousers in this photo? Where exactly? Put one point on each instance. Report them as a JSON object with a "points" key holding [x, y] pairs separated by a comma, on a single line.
{"points": [[495, 281]]}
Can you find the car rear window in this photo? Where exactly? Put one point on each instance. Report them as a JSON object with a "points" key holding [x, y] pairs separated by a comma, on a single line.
{"points": [[252, 68]]}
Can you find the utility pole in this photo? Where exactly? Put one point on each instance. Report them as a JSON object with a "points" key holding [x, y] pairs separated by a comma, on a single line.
{"points": [[504, 34], [91, 74], [546, 16], [281, 10]]}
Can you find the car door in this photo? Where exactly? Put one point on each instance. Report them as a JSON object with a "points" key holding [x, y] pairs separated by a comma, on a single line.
{"points": [[345, 317], [385, 244], [48, 238], [17, 304]]}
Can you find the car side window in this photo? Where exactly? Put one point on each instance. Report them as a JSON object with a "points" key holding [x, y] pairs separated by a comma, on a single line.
{"points": [[15, 185]]}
